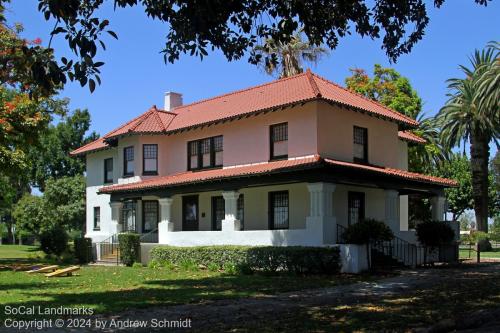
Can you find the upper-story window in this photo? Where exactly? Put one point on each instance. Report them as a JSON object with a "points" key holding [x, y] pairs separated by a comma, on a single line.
{"points": [[360, 145], [108, 170], [150, 159], [279, 141], [128, 161], [205, 153]]}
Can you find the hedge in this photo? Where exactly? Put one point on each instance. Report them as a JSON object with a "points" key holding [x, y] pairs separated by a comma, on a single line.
{"points": [[267, 259], [130, 248], [83, 249]]}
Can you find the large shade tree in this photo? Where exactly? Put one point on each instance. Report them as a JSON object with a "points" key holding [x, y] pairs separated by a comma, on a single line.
{"points": [[472, 115], [234, 27]]}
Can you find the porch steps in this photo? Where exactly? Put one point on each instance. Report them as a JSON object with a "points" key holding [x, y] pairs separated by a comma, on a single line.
{"points": [[380, 259]]}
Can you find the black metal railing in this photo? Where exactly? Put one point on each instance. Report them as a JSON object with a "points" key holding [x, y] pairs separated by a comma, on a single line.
{"points": [[340, 234], [109, 249], [150, 237]]}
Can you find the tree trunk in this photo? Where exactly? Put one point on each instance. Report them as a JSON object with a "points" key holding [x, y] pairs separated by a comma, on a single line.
{"points": [[480, 153]]}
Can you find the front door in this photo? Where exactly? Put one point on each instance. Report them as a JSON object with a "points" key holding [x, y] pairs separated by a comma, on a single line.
{"points": [[190, 213]]}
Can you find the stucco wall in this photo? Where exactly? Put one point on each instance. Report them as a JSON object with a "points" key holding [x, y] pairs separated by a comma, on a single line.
{"points": [[374, 203], [255, 207], [335, 135]]}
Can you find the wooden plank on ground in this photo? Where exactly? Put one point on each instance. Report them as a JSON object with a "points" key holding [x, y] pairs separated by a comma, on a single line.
{"points": [[63, 272], [44, 269]]}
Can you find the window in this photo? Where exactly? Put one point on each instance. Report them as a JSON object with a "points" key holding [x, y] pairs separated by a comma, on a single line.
{"points": [[218, 212], [205, 153], [279, 141], [128, 161], [360, 145], [240, 211], [150, 159], [278, 210], [108, 170], [128, 216], [97, 218], [356, 207], [150, 215]]}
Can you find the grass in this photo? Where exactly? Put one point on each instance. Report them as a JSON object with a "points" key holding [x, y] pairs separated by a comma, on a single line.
{"points": [[19, 252], [112, 289], [464, 254], [464, 292]]}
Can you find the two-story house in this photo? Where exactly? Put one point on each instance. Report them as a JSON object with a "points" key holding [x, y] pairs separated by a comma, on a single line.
{"points": [[284, 163]]}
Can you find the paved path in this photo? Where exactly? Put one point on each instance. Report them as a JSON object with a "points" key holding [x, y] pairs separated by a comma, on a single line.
{"points": [[232, 312]]}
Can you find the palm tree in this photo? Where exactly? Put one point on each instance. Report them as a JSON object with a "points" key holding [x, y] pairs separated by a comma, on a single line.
{"points": [[471, 114], [286, 58]]}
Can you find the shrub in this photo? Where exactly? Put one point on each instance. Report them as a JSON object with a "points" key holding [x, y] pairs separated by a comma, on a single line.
{"points": [[366, 231], [54, 240], [137, 265], [130, 247], [83, 249], [154, 264], [188, 265], [483, 239], [434, 233], [244, 259]]}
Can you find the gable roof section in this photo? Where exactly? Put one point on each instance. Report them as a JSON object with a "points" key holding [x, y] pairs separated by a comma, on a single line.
{"points": [[267, 168], [280, 93], [410, 137]]}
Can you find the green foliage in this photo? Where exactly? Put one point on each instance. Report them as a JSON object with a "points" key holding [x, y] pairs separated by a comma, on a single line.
{"points": [[137, 265], [130, 248], [366, 231], [30, 214], [154, 264], [83, 249], [51, 158], [54, 240], [434, 233], [243, 259], [188, 265], [495, 230]]}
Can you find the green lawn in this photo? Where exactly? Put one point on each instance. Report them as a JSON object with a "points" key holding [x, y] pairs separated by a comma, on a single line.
{"points": [[110, 289], [465, 254], [18, 252]]}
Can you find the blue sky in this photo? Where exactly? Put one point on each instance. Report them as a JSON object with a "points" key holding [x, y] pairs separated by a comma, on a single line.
{"points": [[135, 76]]}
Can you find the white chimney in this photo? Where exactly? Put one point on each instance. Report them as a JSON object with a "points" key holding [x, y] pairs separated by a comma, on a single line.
{"points": [[172, 100]]}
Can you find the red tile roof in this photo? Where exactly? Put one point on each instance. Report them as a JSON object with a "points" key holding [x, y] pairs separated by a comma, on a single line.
{"points": [[268, 167], [284, 92], [96, 145], [409, 136]]}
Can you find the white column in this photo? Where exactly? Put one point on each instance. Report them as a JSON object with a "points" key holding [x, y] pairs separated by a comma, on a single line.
{"points": [[115, 226], [392, 210], [437, 208], [230, 222], [321, 212], [166, 224]]}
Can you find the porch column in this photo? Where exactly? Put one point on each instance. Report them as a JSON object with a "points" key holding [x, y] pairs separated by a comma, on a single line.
{"points": [[230, 222], [392, 210], [166, 225], [115, 226], [321, 212], [437, 207]]}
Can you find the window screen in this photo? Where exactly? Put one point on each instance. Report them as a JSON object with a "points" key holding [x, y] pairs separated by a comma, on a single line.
{"points": [[279, 210]]}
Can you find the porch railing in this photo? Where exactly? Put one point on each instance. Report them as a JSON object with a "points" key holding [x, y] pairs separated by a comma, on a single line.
{"points": [[399, 249], [109, 249], [150, 237]]}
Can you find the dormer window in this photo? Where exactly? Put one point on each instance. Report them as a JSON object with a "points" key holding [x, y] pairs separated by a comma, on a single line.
{"points": [[205, 153], [360, 145], [150, 159], [279, 141], [128, 161]]}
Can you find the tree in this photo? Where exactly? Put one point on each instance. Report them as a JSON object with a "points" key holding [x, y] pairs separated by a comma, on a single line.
{"points": [[29, 212], [233, 27], [395, 91], [285, 59], [468, 117], [467, 221], [51, 159]]}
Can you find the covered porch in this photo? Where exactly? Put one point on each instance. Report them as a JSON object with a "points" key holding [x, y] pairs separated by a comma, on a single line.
{"points": [[295, 202]]}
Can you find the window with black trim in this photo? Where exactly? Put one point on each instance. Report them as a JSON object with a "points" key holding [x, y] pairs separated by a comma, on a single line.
{"points": [[108, 170], [150, 159], [97, 218], [205, 153], [218, 212], [360, 144], [356, 207], [279, 141], [128, 161], [150, 215], [278, 210]]}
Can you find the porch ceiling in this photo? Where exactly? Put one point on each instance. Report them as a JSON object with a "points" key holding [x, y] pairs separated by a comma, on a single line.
{"points": [[305, 169]]}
